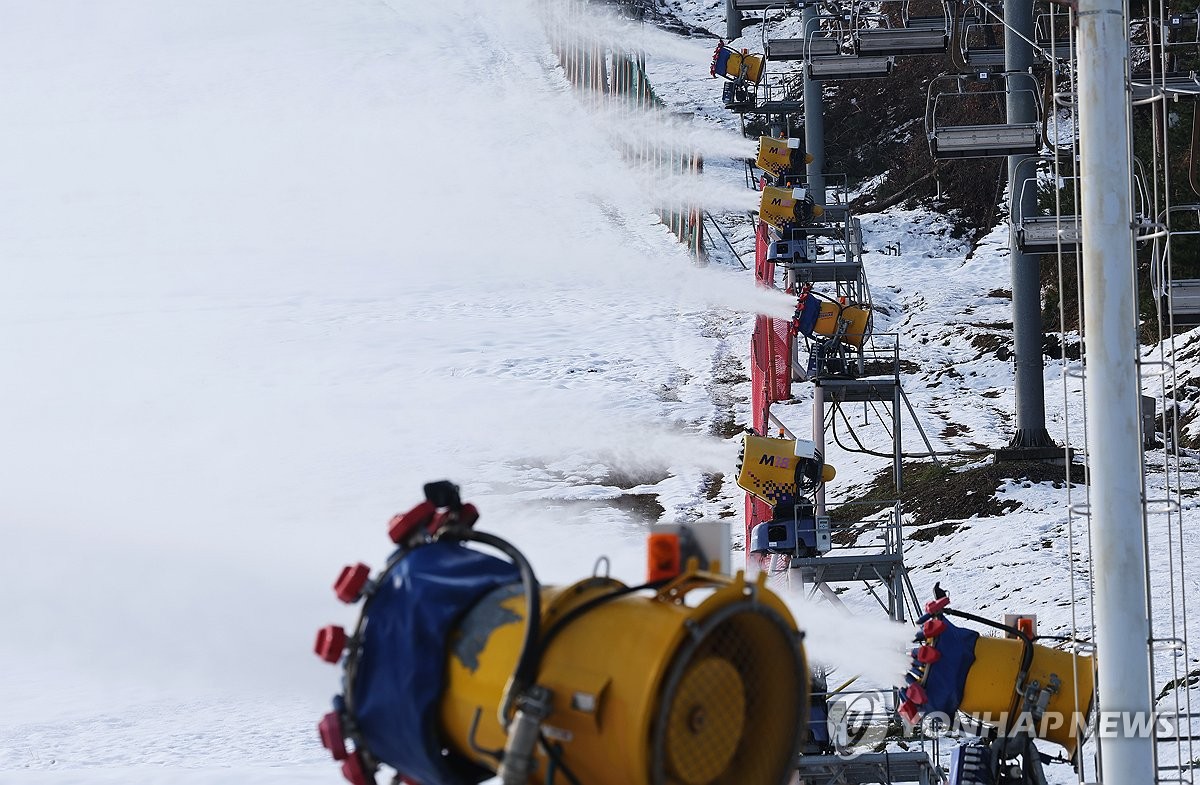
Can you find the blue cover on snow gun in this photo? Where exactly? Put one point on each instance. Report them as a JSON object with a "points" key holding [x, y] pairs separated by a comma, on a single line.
{"points": [[401, 671]]}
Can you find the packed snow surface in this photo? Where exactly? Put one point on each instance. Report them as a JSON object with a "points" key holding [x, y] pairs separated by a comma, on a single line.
{"points": [[273, 264]]}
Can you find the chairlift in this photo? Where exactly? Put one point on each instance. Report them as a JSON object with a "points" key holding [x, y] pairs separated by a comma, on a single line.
{"points": [[764, 5], [1177, 298], [1175, 86], [889, 31], [900, 41], [1052, 35], [780, 98], [1041, 233], [842, 67], [800, 48], [1050, 233], [978, 43], [949, 137]]}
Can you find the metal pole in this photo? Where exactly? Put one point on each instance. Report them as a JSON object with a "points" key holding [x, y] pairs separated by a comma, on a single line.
{"points": [[897, 441], [1026, 276], [814, 117], [733, 21], [1110, 301], [818, 437]]}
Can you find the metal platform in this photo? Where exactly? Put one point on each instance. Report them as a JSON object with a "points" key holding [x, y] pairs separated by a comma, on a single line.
{"points": [[985, 141], [764, 5], [901, 41], [849, 67], [885, 389], [1044, 233], [836, 213], [840, 569], [827, 272], [882, 768], [795, 106]]}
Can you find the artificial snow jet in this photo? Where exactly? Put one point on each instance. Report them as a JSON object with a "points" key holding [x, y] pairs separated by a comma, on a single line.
{"points": [[462, 666]]}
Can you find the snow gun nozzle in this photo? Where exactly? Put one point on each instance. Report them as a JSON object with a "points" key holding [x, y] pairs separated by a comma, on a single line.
{"points": [[443, 494]]}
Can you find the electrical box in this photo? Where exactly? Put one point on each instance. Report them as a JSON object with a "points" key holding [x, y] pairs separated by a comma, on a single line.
{"points": [[709, 541], [824, 534]]}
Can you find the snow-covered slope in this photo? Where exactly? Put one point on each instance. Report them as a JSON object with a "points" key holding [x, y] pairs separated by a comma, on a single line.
{"points": [[269, 267], [272, 264]]}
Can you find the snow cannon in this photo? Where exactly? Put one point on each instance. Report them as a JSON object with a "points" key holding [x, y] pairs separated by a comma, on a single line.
{"points": [[785, 473], [730, 64], [779, 157], [462, 667], [1022, 689], [788, 208], [840, 321]]}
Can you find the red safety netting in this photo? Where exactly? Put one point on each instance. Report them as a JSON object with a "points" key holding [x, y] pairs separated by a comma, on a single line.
{"points": [[781, 337], [770, 373], [764, 270], [761, 374]]}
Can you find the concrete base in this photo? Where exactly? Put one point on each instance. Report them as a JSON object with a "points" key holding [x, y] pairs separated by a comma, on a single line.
{"points": [[1052, 454]]}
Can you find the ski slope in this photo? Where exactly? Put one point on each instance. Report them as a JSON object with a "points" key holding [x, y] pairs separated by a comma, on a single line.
{"points": [[271, 265]]}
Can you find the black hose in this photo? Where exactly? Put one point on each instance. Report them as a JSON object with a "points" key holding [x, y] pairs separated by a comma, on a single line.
{"points": [[554, 753], [525, 671]]}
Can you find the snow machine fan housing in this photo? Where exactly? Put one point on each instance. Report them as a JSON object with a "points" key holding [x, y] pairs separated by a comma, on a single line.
{"points": [[463, 666]]}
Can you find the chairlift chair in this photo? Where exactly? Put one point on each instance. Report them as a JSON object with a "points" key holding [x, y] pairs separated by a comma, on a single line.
{"points": [[950, 139], [979, 44], [842, 67], [1041, 233], [1177, 298], [764, 5], [900, 41]]}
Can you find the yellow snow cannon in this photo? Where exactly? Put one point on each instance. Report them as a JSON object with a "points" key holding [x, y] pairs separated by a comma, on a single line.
{"points": [[785, 473], [774, 469], [463, 668], [729, 63], [788, 208], [781, 156], [844, 321], [1012, 684]]}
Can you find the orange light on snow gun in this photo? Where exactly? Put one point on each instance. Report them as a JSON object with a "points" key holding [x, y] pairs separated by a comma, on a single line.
{"points": [[665, 557]]}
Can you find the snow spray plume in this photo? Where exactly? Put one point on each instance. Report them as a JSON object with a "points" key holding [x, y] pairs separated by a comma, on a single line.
{"points": [[713, 289], [872, 647], [580, 24], [675, 191], [657, 129]]}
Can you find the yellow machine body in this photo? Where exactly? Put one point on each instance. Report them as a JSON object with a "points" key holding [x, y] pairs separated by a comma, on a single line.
{"points": [[774, 155], [769, 467], [752, 63], [990, 689], [777, 207], [709, 694], [856, 317]]}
